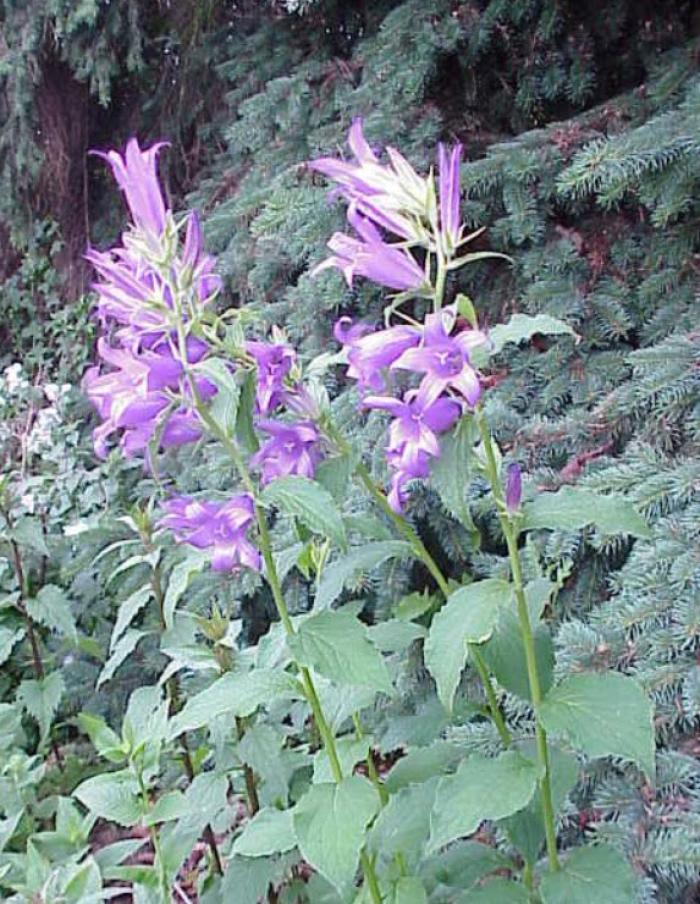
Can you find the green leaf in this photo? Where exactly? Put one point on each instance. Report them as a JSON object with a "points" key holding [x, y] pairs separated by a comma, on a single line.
{"points": [[522, 327], [407, 890], [112, 796], [169, 806], [468, 616], [51, 608], [270, 831], [179, 580], [480, 789], [414, 605], [394, 635], [354, 563], [330, 822], [127, 612], [453, 471], [421, 764], [499, 891], [605, 715], [8, 827], [107, 742], [235, 694], [504, 655], [336, 645], [525, 829], [224, 406], [124, 647], [596, 873], [9, 639], [247, 879], [40, 698], [403, 825], [572, 508], [29, 531], [464, 864], [310, 502]]}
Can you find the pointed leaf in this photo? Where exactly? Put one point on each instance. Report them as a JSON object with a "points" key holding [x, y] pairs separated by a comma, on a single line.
{"points": [[270, 831], [596, 873], [481, 789], [355, 562], [468, 616], [51, 608], [112, 796], [572, 508], [522, 327], [605, 715], [310, 502]]}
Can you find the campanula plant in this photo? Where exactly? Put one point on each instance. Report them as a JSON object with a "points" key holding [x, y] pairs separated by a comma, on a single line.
{"points": [[341, 825]]}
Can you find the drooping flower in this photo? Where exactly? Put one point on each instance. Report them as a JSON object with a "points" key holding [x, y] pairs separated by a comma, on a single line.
{"points": [[370, 352], [396, 189], [450, 226], [138, 394], [514, 487], [444, 359], [413, 435], [291, 449], [274, 361], [137, 177], [370, 256], [218, 526]]}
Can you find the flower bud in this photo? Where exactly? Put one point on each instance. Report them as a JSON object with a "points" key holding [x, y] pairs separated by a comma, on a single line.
{"points": [[514, 487]]}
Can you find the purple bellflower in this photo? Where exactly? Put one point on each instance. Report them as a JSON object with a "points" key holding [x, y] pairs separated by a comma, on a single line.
{"points": [[219, 527], [413, 435], [370, 256], [370, 352], [274, 361], [291, 449], [444, 359], [394, 192], [514, 487], [448, 181], [137, 177]]}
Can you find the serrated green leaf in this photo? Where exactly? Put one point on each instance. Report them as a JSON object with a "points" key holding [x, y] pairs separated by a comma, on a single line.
{"points": [[590, 874], [469, 616], [330, 822], [179, 580], [310, 502], [573, 508], [394, 635], [224, 406], [127, 612], [106, 741], [112, 796], [522, 327], [269, 832], [28, 531], [462, 865], [454, 470], [354, 563], [480, 789], [40, 698], [413, 605], [419, 765], [9, 638], [336, 645], [403, 825], [605, 715], [124, 647], [497, 891], [350, 751], [236, 694], [52, 608]]}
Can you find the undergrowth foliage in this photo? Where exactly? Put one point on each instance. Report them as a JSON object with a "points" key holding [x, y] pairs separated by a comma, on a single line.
{"points": [[164, 692]]}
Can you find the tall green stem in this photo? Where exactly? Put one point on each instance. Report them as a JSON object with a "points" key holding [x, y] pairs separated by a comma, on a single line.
{"points": [[276, 587], [527, 637]]}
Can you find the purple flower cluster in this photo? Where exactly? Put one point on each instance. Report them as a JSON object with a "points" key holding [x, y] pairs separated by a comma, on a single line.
{"points": [[449, 384], [139, 388], [220, 527], [392, 198]]}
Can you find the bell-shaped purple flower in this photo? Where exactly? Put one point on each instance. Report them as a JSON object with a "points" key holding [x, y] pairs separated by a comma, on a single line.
{"points": [[274, 361], [291, 449], [514, 487], [444, 359], [371, 352], [450, 226], [219, 527], [370, 256], [395, 192], [413, 434], [138, 179]]}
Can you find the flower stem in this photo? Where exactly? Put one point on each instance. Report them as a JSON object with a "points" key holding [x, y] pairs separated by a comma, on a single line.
{"points": [[275, 584], [527, 637]]}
